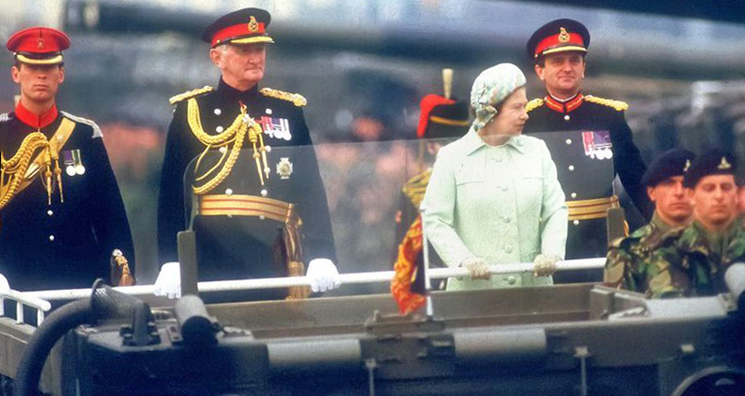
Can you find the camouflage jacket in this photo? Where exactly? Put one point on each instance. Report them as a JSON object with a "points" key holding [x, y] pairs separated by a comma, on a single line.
{"points": [[705, 257], [632, 262], [691, 261]]}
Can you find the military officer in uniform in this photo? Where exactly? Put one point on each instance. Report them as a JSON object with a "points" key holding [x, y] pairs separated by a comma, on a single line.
{"points": [[628, 265], [558, 49], [693, 260], [440, 118], [255, 222], [61, 213]]}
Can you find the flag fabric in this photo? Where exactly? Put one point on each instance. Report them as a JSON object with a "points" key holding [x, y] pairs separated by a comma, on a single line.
{"points": [[406, 270]]}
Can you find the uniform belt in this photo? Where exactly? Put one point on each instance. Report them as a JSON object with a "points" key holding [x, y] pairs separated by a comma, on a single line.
{"points": [[248, 205], [274, 209], [589, 209]]}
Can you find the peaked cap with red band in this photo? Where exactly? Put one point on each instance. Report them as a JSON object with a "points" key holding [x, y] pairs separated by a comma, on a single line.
{"points": [[561, 35], [38, 45], [441, 117], [245, 26]]}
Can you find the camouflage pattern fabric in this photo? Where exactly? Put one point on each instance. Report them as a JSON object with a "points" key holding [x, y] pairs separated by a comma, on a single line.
{"points": [[680, 262], [637, 262], [706, 256]]}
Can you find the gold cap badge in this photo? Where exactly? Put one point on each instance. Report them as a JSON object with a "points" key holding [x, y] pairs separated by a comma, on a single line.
{"points": [[563, 36], [688, 165], [253, 26], [724, 164]]}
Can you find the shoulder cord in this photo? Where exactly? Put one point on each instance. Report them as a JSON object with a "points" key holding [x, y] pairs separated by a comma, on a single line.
{"points": [[14, 170], [235, 134]]}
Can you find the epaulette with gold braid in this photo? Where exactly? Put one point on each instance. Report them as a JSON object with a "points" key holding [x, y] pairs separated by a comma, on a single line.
{"points": [[190, 94], [297, 99], [533, 104], [416, 186], [616, 104]]}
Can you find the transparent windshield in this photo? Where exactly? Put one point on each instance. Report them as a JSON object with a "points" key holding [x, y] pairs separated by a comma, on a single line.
{"points": [[354, 202]]}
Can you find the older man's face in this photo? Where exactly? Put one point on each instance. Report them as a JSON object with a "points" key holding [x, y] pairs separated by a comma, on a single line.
{"points": [[242, 65], [562, 73]]}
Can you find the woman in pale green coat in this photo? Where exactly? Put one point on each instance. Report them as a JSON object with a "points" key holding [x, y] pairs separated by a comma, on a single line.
{"points": [[494, 196]]}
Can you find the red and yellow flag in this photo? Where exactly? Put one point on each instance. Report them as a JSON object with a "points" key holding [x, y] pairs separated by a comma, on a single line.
{"points": [[405, 268]]}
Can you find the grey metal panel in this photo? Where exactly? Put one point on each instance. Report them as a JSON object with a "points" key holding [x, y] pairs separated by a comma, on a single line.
{"points": [[501, 346], [316, 354]]}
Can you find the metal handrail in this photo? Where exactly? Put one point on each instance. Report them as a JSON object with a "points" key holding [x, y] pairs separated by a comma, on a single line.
{"points": [[25, 299], [348, 279]]}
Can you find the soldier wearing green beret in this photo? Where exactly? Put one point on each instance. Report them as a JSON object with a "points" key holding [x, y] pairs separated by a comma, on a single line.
{"points": [[628, 264]]}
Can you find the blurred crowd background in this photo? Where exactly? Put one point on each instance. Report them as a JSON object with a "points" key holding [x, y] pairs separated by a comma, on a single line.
{"points": [[364, 65]]}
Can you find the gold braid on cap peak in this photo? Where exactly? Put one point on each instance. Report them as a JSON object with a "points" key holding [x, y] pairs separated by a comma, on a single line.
{"points": [[297, 99], [533, 104], [190, 94], [616, 104], [235, 134]]}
